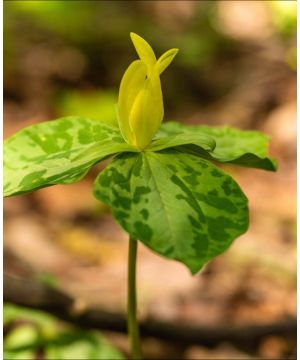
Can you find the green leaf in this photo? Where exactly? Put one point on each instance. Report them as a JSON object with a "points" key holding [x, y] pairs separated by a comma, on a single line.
{"points": [[179, 205], [203, 141], [234, 146], [57, 152]]}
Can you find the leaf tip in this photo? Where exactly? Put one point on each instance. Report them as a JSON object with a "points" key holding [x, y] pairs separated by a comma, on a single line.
{"points": [[274, 164], [196, 270]]}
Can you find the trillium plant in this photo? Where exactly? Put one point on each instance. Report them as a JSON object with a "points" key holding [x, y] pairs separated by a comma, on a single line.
{"points": [[163, 184]]}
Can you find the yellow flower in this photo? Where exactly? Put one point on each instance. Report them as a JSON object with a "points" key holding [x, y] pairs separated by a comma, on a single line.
{"points": [[140, 103]]}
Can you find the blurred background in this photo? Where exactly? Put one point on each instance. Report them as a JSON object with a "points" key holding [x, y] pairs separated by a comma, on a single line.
{"points": [[64, 254]]}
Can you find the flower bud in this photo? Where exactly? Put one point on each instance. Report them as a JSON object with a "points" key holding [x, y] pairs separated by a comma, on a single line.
{"points": [[140, 104]]}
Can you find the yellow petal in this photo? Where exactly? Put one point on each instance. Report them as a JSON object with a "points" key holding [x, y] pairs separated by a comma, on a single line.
{"points": [[131, 84], [147, 111], [144, 50], [165, 60], [140, 105], [136, 118]]}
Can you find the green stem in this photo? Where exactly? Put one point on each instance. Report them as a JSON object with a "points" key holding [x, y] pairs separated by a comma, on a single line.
{"points": [[132, 324]]}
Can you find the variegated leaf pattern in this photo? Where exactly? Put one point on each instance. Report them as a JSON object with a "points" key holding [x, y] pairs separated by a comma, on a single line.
{"points": [[241, 147], [57, 152], [179, 205], [204, 142]]}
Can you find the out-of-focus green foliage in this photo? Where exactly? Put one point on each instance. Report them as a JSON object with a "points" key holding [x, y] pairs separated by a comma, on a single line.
{"points": [[47, 14], [13, 313], [86, 20], [284, 14], [98, 30], [96, 105], [32, 332], [48, 279]]}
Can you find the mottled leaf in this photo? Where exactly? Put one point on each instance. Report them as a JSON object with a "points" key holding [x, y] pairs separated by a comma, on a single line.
{"points": [[242, 147], [205, 142], [57, 152], [179, 205]]}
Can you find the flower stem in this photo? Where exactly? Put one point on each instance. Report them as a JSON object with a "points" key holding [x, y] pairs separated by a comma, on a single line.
{"points": [[132, 324]]}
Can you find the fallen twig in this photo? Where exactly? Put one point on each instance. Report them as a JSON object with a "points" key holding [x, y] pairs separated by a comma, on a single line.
{"points": [[30, 293]]}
